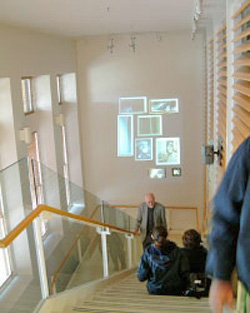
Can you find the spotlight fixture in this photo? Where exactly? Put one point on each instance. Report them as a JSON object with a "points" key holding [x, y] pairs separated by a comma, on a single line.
{"points": [[132, 42], [196, 16], [110, 45]]}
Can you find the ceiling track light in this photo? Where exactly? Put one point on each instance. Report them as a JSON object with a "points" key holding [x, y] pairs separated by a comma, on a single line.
{"points": [[132, 43], [196, 16], [110, 45]]}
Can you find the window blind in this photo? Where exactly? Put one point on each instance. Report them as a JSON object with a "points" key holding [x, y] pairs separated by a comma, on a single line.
{"points": [[221, 95], [211, 90], [241, 74]]}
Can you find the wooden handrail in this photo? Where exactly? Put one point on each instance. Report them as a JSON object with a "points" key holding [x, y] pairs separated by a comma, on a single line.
{"points": [[8, 239], [125, 206]]}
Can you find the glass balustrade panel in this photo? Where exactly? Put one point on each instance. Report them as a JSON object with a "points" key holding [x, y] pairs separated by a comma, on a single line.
{"points": [[22, 291], [15, 193], [73, 254], [116, 217], [117, 252]]}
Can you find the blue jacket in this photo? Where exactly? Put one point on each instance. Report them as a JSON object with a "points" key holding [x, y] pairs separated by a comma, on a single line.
{"points": [[230, 235], [166, 269]]}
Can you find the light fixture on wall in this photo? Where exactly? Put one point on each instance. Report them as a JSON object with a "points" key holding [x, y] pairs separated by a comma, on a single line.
{"points": [[208, 152], [25, 135], [132, 42], [110, 45], [59, 120]]}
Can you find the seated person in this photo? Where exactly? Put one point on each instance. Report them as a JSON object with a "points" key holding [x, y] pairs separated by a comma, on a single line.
{"points": [[164, 265], [196, 255]]}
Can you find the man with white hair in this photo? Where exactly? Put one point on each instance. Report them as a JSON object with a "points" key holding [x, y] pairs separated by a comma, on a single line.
{"points": [[150, 214]]}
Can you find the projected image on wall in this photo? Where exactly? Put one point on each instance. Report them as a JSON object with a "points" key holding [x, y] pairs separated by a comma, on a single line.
{"points": [[133, 105], [143, 149], [167, 151], [157, 173], [125, 136], [149, 125], [163, 106]]}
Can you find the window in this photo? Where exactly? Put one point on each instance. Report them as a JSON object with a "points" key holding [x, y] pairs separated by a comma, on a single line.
{"points": [[27, 95], [4, 253]]}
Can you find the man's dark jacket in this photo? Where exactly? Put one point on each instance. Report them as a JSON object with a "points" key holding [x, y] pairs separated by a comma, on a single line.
{"points": [[165, 268], [230, 235]]}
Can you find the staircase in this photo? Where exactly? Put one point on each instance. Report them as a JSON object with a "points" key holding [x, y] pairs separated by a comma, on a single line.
{"points": [[130, 296]]}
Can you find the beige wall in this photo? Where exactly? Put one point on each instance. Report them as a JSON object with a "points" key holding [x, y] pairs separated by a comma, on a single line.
{"points": [[171, 67], [27, 53]]}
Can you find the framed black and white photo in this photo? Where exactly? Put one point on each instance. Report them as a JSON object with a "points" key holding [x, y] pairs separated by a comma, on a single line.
{"points": [[167, 151], [144, 149], [133, 105], [176, 171], [157, 173], [163, 106]]}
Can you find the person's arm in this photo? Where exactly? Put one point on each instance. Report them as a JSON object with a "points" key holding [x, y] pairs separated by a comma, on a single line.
{"points": [[225, 227], [184, 270], [143, 272], [163, 217], [226, 215], [138, 219]]}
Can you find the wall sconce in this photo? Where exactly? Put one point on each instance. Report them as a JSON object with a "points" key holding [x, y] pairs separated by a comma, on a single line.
{"points": [[25, 135], [208, 152], [59, 120]]}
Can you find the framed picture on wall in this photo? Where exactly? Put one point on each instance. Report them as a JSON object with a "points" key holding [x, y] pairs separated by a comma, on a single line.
{"points": [[133, 105], [163, 106], [157, 173], [144, 149], [176, 171], [149, 125], [125, 136], [167, 151]]}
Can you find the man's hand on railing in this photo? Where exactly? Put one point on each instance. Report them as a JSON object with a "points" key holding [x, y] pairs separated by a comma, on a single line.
{"points": [[136, 232]]}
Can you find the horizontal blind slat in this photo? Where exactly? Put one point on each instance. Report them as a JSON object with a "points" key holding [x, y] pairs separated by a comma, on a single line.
{"points": [[243, 21], [242, 100], [242, 128], [244, 89], [242, 8], [242, 115], [245, 60], [242, 75], [245, 33], [242, 48]]}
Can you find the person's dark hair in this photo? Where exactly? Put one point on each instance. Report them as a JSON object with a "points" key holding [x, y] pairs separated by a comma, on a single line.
{"points": [[160, 234], [191, 239]]}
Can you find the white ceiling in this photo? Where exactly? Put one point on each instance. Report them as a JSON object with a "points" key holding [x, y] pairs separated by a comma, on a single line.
{"points": [[77, 18]]}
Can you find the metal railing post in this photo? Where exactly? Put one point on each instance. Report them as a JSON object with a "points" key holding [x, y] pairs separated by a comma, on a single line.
{"points": [[102, 212], [38, 235], [129, 238], [79, 250], [104, 232]]}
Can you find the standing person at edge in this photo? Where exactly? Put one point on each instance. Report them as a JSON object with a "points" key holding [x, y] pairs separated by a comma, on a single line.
{"points": [[230, 234], [150, 214]]}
